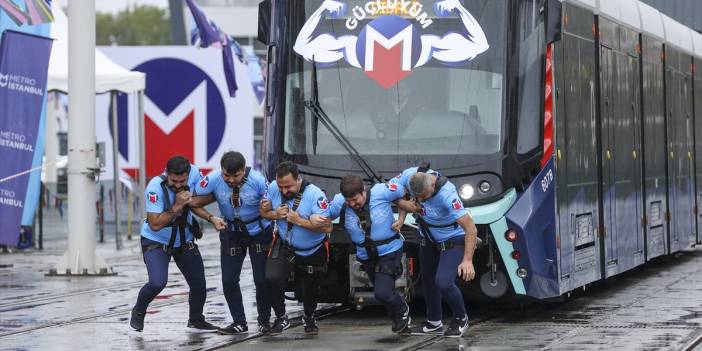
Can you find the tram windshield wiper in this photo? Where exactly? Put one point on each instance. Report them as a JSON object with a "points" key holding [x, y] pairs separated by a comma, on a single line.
{"points": [[316, 109]]}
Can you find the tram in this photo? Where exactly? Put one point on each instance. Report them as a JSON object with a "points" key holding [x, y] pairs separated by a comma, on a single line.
{"points": [[570, 128]]}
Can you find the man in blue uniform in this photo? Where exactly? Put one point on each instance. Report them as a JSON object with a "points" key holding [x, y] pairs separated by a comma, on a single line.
{"points": [[168, 232], [367, 216], [238, 191], [449, 239], [301, 212]]}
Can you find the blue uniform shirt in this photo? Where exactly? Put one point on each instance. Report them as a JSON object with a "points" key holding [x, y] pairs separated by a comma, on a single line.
{"points": [[381, 219], [250, 196], [404, 177], [153, 197], [442, 209], [313, 202]]}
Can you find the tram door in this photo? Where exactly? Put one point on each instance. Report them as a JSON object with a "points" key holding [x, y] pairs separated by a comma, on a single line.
{"points": [[621, 164], [680, 156]]}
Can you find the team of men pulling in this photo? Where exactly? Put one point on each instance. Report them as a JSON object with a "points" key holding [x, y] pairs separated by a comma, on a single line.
{"points": [[302, 217]]}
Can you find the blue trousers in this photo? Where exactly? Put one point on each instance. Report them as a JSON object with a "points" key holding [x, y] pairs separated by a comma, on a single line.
{"points": [[384, 282], [439, 271], [189, 263], [234, 245]]}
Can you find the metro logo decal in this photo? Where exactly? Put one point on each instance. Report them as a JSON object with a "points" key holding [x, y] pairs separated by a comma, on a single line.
{"points": [[389, 46]]}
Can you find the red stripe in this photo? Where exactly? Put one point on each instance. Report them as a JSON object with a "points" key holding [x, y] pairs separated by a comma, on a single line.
{"points": [[548, 107]]}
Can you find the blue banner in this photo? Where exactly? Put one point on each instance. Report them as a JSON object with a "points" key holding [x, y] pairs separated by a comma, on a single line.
{"points": [[24, 62]]}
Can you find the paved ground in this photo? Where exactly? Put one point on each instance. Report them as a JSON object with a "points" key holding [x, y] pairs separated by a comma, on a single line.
{"points": [[656, 307]]}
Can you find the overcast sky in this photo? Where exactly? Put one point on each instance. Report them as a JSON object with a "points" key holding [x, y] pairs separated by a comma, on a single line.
{"points": [[118, 5]]}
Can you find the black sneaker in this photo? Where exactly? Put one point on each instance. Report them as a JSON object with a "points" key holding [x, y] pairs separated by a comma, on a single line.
{"points": [[201, 326], [234, 328], [457, 327], [401, 322], [137, 320], [264, 327], [310, 325], [428, 329], [280, 324]]}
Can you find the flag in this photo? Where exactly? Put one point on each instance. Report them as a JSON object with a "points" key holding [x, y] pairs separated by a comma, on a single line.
{"points": [[38, 12], [24, 65], [229, 73], [15, 13], [207, 33]]}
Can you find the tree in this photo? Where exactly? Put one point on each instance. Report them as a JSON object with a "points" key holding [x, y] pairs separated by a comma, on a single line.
{"points": [[137, 25]]}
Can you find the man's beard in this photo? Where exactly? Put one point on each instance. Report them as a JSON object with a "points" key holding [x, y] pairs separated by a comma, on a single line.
{"points": [[289, 197]]}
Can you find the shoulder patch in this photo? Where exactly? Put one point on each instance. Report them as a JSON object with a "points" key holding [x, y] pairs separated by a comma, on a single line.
{"points": [[456, 204], [322, 203], [153, 197], [391, 186], [204, 181]]}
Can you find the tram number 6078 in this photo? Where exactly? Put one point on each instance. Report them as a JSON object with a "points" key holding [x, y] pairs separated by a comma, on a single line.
{"points": [[548, 179]]}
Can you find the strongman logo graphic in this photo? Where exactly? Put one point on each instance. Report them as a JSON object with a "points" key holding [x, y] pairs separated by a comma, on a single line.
{"points": [[389, 46]]}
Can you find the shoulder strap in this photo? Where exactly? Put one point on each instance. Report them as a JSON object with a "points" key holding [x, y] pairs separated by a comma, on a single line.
{"points": [[364, 216], [296, 202], [440, 182], [342, 215], [246, 176], [166, 197]]}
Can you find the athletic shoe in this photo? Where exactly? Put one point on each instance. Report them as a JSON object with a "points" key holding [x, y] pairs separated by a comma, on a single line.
{"points": [[428, 329], [310, 325], [137, 320], [457, 327], [234, 328], [201, 326], [401, 322], [280, 324]]}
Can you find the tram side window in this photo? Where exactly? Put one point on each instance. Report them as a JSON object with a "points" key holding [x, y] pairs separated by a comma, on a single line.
{"points": [[531, 55]]}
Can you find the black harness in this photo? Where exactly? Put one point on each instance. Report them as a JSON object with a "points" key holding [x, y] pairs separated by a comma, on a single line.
{"points": [[178, 226], [237, 225], [425, 227], [365, 221], [288, 250]]}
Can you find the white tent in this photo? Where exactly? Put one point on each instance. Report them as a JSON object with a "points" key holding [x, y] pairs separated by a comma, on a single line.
{"points": [[109, 76]]}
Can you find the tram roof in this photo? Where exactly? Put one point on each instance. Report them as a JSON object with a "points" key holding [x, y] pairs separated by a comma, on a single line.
{"points": [[647, 20]]}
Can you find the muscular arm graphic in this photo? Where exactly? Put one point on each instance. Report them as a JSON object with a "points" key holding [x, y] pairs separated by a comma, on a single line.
{"points": [[325, 48], [454, 47]]}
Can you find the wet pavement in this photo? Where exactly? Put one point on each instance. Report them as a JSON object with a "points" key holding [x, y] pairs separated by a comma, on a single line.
{"points": [[655, 307]]}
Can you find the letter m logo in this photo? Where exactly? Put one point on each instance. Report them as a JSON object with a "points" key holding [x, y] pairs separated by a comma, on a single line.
{"points": [[388, 60]]}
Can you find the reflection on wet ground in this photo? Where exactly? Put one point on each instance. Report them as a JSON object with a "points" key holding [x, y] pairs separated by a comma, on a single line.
{"points": [[655, 307]]}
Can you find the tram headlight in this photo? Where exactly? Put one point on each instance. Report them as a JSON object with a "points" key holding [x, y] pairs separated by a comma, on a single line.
{"points": [[484, 187], [522, 272], [466, 191]]}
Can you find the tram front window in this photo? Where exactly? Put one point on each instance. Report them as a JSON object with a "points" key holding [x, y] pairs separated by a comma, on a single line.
{"points": [[413, 98]]}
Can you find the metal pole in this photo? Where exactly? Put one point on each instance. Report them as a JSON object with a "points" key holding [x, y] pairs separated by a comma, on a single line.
{"points": [[80, 258], [115, 168], [130, 212], [142, 151], [41, 215], [101, 214]]}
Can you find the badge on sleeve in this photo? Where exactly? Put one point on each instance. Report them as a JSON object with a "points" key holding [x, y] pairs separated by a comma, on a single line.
{"points": [[322, 203], [204, 181], [456, 204], [153, 197], [391, 186]]}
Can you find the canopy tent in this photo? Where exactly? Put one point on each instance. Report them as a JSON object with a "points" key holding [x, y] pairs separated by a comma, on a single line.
{"points": [[109, 76]]}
